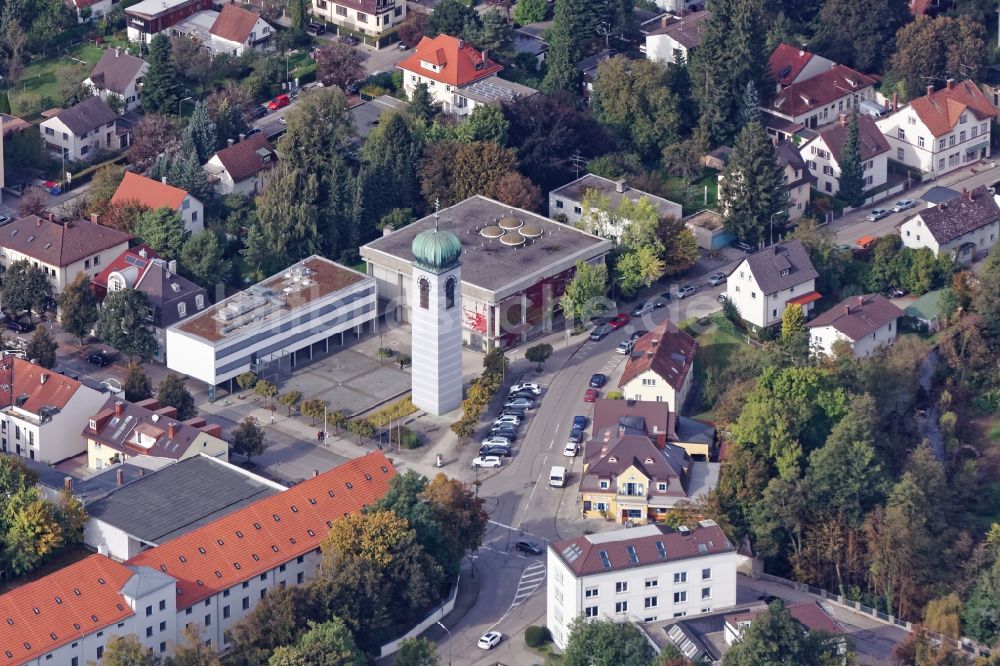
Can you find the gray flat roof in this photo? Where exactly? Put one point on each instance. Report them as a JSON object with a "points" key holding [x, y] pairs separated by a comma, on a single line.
{"points": [[368, 114], [486, 262], [577, 190], [178, 498]]}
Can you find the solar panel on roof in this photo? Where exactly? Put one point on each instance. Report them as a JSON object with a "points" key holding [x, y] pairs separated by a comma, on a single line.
{"points": [[133, 260], [632, 555], [571, 552], [605, 560]]}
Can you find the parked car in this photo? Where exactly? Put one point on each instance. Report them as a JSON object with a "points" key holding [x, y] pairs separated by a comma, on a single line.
{"points": [[571, 449], [527, 395], [279, 102], [716, 279], [590, 395], [495, 440], [877, 214], [315, 29], [494, 451], [903, 204], [505, 430], [529, 547], [740, 245], [490, 640], [576, 435], [260, 111], [597, 380], [486, 461], [17, 326], [638, 334], [624, 347], [618, 321], [648, 307], [685, 291], [508, 418], [516, 411], [580, 422], [527, 386], [523, 403], [350, 39], [5, 219], [100, 359], [601, 332], [402, 46]]}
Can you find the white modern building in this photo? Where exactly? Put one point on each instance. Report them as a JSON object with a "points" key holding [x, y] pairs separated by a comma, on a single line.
{"points": [[676, 37], [864, 322], [277, 321], [824, 151], [641, 574], [567, 201], [437, 321], [370, 18], [764, 283], [966, 227]]}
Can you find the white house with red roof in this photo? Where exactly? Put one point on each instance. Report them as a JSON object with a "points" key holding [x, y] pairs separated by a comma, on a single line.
{"points": [[242, 166], [822, 152], [942, 131], [457, 76], [864, 322], [237, 30], [817, 100], [368, 18], [155, 194], [642, 574], [660, 367], [790, 65]]}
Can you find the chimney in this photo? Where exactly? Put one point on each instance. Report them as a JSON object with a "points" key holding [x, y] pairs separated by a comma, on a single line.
{"points": [[52, 217], [230, 142], [143, 253], [949, 84], [142, 472], [172, 265], [171, 430], [43, 377], [461, 44], [969, 194], [620, 186], [930, 89], [861, 300], [847, 309], [664, 20], [120, 476], [94, 217], [843, 120], [68, 483], [242, 136], [119, 408], [895, 101], [387, 230], [486, 53], [621, 431], [315, 473], [163, 179]]}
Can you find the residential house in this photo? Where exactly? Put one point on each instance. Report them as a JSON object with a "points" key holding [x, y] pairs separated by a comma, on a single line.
{"points": [[615, 418], [150, 510], [154, 195], [147, 18], [371, 19], [82, 132], [660, 367], [92, 10], [809, 615], [121, 431], [641, 574], [61, 249], [964, 227], [797, 178], [823, 151], [212, 576], [864, 322], [817, 101], [241, 167], [237, 30], [118, 74], [588, 69], [676, 37], [765, 282], [43, 411], [926, 313], [457, 76], [11, 124], [942, 131], [790, 65], [527, 42], [568, 202]]}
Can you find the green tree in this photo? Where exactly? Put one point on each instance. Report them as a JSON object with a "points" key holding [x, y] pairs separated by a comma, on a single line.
{"points": [[266, 390], [639, 267], [589, 284], [485, 123], [561, 74], [606, 642], [127, 651], [192, 651], [162, 84], [935, 49], [202, 132], [852, 179], [286, 229], [680, 247], [78, 307], [454, 18], [854, 32], [538, 354], [422, 106], [246, 381], [42, 348], [201, 259], [418, 651], [530, 11], [452, 172], [339, 64], [775, 637], [751, 190], [632, 99], [518, 191], [279, 619], [136, 385], [314, 409], [496, 32], [458, 512], [392, 152], [25, 287], [750, 107], [247, 439], [173, 392], [103, 186], [328, 644], [290, 399], [981, 615], [123, 325], [163, 230]]}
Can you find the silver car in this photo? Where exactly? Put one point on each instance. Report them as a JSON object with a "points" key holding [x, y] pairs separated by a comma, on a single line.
{"points": [[716, 279], [903, 204]]}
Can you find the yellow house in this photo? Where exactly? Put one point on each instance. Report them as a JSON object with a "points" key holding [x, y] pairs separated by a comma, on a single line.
{"points": [[123, 430], [660, 367]]}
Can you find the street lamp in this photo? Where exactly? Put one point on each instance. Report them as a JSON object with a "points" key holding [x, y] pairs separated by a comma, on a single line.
{"points": [[180, 102], [449, 641], [772, 226]]}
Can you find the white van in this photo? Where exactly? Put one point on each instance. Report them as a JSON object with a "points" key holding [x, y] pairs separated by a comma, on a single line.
{"points": [[557, 477]]}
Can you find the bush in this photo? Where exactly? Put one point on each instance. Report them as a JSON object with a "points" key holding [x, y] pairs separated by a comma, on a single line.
{"points": [[392, 412], [536, 637], [383, 352], [403, 360]]}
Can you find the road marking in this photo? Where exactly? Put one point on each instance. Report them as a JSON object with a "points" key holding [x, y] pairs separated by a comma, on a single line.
{"points": [[537, 483], [551, 444], [531, 579]]}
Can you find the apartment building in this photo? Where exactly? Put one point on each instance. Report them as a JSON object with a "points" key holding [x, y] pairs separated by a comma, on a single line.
{"points": [[767, 281], [367, 17], [823, 153]]}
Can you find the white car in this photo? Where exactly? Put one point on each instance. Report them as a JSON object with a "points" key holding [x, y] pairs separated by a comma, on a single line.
{"points": [[486, 461], [624, 347], [490, 640], [495, 440], [903, 204], [877, 214], [528, 386], [508, 418], [571, 450]]}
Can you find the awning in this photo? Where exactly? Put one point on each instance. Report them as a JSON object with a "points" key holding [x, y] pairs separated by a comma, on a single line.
{"points": [[805, 299]]}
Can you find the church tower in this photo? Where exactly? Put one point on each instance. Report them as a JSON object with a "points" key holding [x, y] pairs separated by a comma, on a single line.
{"points": [[436, 313]]}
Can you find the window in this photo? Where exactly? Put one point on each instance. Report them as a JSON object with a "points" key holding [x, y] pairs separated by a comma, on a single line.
{"points": [[149, 611], [753, 294], [199, 301], [649, 381], [225, 612], [942, 143], [951, 140], [961, 136], [149, 632], [208, 620], [974, 132], [706, 574], [97, 261], [577, 210], [706, 593], [590, 592], [246, 603], [590, 611], [163, 626], [680, 597], [559, 203], [362, 17], [661, 486], [49, 131], [341, 11], [899, 154], [86, 263], [425, 293], [680, 577], [982, 128], [604, 484], [920, 141], [901, 133], [100, 651], [182, 309], [621, 586], [449, 293], [962, 119], [300, 578], [940, 164], [650, 602], [84, 150], [621, 606]]}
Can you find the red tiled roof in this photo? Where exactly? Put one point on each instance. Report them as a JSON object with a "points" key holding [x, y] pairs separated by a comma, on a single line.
{"points": [[59, 243], [806, 298], [808, 614], [241, 159], [667, 351], [269, 532], [150, 193], [459, 62], [234, 24], [43, 388], [129, 259], [839, 81], [64, 606], [869, 136], [787, 62], [941, 109]]}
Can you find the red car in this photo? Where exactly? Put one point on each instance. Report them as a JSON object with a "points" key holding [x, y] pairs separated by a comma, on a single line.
{"points": [[618, 321], [590, 395], [279, 102]]}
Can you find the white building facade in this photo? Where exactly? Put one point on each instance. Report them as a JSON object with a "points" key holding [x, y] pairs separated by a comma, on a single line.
{"points": [[965, 227], [764, 283], [863, 322]]}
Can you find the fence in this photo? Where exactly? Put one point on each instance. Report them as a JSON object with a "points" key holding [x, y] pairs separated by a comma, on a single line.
{"points": [[392, 647], [966, 645]]}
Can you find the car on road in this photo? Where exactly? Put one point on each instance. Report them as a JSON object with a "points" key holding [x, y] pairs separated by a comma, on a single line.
{"points": [[529, 547], [685, 291], [17, 326], [576, 435], [740, 245], [496, 440], [350, 39], [402, 46], [624, 347], [597, 380], [580, 422], [490, 640], [716, 279], [315, 29], [260, 111], [877, 214], [648, 307], [523, 403], [618, 321], [5, 219], [767, 598], [494, 451], [903, 204], [601, 332], [279, 102], [100, 359], [590, 395], [486, 461], [571, 449], [527, 386]]}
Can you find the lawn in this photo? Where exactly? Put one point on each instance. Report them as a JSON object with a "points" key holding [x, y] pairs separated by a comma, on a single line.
{"points": [[692, 196], [39, 82], [716, 345]]}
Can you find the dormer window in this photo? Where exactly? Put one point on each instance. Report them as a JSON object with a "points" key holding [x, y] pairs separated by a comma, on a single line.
{"points": [[604, 484], [962, 119], [93, 424], [784, 273]]}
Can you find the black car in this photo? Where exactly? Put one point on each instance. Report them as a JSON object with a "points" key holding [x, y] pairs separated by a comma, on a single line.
{"points": [[513, 411], [576, 435], [260, 111], [527, 395], [315, 28], [504, 430], [350, 39], [638, 334], [498, 451], [529, 547], [598, 380], [601, 332], [18, 326], [100, 359]]}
